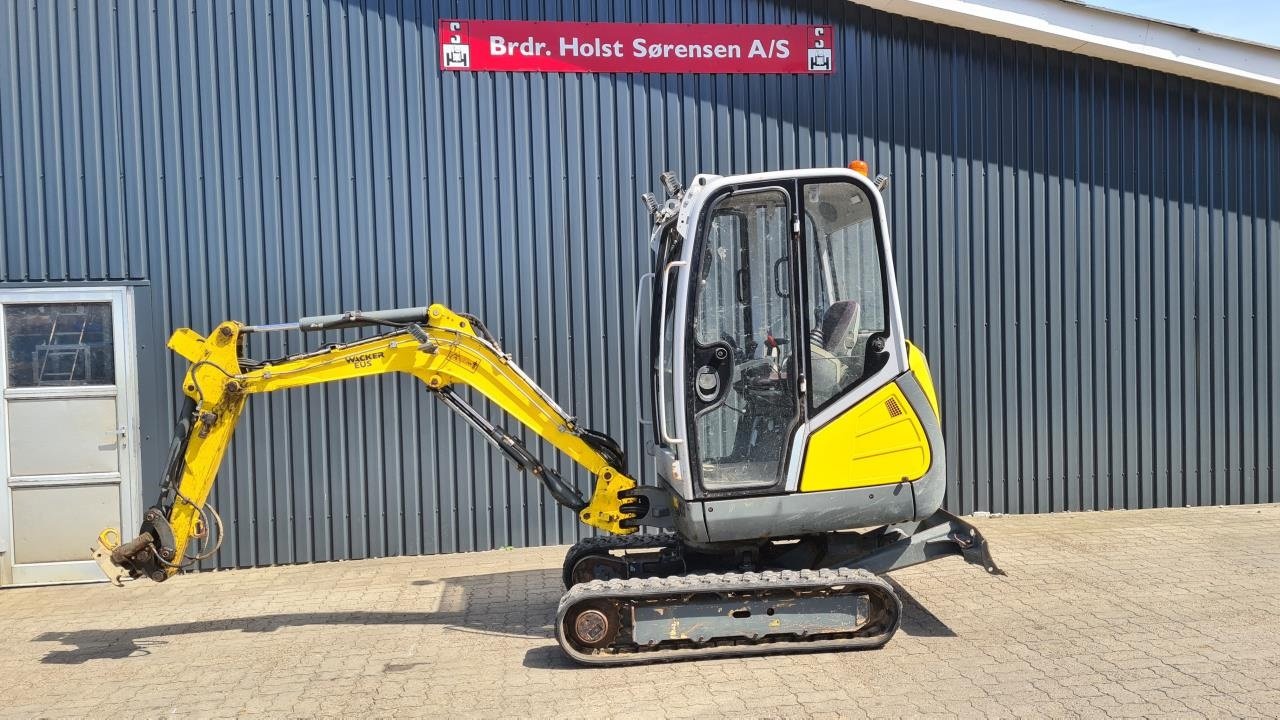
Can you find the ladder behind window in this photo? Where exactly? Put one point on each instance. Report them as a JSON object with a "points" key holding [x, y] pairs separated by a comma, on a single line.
{"points": [[65, 348]]}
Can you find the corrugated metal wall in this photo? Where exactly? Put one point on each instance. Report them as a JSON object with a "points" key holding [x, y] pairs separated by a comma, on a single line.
{"points": [[1085, 249]]}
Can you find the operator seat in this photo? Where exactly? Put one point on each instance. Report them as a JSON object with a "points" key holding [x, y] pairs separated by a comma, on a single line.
{"points": [[840, 327], [830, 346]]}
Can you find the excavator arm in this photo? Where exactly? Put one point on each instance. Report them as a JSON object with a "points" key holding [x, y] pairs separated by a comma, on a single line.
{"points": [[441, 348]]}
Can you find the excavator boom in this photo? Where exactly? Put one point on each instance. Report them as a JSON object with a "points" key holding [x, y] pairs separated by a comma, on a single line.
{"points": [[441, 348]]}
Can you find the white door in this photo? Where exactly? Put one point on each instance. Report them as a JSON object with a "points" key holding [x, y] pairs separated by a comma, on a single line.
{"points": [[67, 430]]}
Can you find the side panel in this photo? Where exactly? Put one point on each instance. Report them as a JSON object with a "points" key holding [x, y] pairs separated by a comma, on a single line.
{"points": [[880, 440], [891, 435]]}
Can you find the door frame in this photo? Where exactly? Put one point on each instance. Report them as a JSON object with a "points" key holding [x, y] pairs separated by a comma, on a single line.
{"points": [[124, 333], [688, 307]]}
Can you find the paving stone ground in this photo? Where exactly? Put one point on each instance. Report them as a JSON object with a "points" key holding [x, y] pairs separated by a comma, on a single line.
{"points": [[1171, 613]]}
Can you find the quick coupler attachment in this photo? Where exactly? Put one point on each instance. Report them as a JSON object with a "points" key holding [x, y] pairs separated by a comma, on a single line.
{"points": [[117, 560], [143, 556]]}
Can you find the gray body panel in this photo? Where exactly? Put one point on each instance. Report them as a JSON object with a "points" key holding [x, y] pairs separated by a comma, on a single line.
{"points": [[807, 513], [717, 617]]}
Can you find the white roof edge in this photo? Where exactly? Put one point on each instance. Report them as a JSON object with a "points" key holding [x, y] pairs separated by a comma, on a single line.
{"points": [[1129, 39]]}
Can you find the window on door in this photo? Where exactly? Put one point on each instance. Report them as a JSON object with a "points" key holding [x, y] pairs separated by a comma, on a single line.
{"points": [[846, 288], [59, 344], [743, 363]]}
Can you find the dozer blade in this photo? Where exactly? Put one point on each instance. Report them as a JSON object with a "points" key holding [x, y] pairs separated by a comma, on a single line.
{"points": [[939, 535]]}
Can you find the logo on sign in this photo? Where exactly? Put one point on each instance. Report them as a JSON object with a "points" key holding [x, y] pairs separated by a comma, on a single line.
{"points": [[819, 53], [456, 53]]}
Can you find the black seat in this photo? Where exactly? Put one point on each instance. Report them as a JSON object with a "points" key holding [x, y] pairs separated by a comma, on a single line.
{"points": [[840, 327]]}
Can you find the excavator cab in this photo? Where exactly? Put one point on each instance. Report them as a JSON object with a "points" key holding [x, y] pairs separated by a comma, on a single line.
{"points": [[788, 398]]}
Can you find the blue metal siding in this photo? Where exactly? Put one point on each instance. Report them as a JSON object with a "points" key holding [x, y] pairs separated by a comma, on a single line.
{"points": [[1084, 249]]}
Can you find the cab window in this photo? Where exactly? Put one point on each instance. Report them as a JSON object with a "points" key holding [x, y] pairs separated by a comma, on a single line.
{"points": [[846, 291]]}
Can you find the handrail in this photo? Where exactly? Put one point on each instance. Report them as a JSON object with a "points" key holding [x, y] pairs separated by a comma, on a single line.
{"points": [[662, 336]]}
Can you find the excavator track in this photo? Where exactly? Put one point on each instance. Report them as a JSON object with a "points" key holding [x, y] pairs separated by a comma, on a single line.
{"points": [[606, 544], [660, 619]]}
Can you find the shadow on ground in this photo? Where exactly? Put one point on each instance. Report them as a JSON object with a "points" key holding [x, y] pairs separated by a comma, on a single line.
{"points": [[918, 620], [472, 603]]}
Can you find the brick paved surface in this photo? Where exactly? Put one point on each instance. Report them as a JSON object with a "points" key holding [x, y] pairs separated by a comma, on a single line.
{"points": [[1121, 614]]}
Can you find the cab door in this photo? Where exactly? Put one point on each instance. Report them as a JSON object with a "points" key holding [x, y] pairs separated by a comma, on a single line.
{"points": [[742, 392]]}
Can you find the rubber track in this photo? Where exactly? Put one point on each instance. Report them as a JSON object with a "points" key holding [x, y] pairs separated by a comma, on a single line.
{"points": [[677, 585], [606, 543]]}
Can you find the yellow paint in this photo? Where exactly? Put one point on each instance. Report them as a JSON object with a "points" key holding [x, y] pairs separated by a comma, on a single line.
{"points": [[605, 508], [919, 367], [452, 354], [210, 381], [868, 445], [187, 343]]}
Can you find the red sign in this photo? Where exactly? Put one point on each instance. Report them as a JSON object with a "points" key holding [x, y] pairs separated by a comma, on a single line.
{"points": [[528, 46]]}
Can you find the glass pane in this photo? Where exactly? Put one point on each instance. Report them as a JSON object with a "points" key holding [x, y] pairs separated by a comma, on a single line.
{"points": [[59, 344], [846, 287], [668, 349], [743, 333]]}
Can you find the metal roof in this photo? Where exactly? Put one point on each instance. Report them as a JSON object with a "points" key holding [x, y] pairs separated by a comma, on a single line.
{"points": [[1172, 24], [1108, 34]]}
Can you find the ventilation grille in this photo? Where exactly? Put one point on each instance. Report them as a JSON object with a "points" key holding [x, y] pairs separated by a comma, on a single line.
{"points": [[893, 407]]}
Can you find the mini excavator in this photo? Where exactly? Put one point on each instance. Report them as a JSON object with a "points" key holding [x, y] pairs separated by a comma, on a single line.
{"points": [[796, 450]]}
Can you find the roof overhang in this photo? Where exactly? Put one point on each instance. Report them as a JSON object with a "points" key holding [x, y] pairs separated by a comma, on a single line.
{"points": [[1107, 34]]}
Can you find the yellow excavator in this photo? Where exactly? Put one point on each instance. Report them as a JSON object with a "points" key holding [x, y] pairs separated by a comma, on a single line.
{"points": [[796, 449]]}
